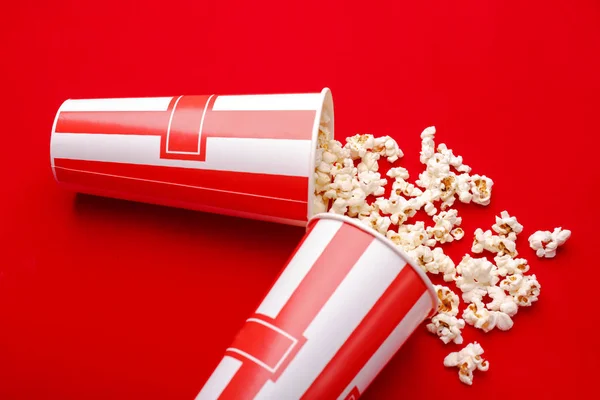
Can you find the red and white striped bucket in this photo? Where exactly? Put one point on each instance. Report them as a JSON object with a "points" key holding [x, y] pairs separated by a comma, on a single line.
{"points": [[344, 304], [248, 156]]}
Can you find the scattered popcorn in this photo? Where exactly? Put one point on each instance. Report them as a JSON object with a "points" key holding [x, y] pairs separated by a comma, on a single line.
{"points": [[458, 233], [509, 266], [494, 243], [475, 276], [545, 243], [463, 188], [427, 144], [359, 145], [401, 187], [444, 184], [447, 327], [339, 206], [412, 236], [505, 224], [481, 187], [455, 161], [525, 289], [370, 162], [434, 261], [357, 204], [430, 209], [445, 221], [346, 189], [398, 172], [501, 301], [448, 300], [377, 222], [387, 147], [394, 207], [467, 360], [371, 183], [481, 318]]}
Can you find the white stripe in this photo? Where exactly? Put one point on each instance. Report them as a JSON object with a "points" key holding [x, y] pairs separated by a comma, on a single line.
{"points": [[219, 379], [349, 304], [299, 101], [298, 267], [266, 156], [390, 346], [129, 104]]}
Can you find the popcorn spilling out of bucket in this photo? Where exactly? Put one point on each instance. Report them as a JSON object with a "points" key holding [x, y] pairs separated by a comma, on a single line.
{"points": [[356, 286]]}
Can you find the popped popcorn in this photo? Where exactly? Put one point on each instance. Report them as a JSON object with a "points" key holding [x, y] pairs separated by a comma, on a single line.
{"points": [[481, 318], [457, 233], [398, 172], [377, 222], [455, 161], [467, 360], [463, 188], [475, 276], [430, 209], [448, 300], [401, 187], [545, 243], [447, 327], [444, 184], [359, 145], [505, 224], [371, 183], [445, 221], [501, 301], [481, 187], [339, 206], [427, 144], [509, 266], [494, 243], [525, 289], [387, 147], [411, 236], [345, 189], [369, 162], [319, 204], [434, 261]]}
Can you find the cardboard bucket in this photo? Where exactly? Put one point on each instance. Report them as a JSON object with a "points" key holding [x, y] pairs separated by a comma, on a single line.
{"points": [[250, 156], [344, 304]]}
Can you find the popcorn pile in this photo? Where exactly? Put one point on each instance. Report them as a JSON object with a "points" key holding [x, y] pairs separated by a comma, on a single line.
{"points": [[347, 182]]}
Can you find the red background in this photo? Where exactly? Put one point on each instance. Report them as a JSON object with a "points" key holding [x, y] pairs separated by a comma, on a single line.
{"points": [[103, 298]]}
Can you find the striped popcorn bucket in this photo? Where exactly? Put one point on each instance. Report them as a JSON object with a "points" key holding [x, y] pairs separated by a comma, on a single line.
{"points": [[247, 156], [344, 304]]}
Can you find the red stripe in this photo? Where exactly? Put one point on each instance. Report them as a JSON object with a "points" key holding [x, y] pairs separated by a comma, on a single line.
{"points": [[180, 196], [263, 343], [378, 324], [326, 274], [114, 122], [184, 132], [279, 186]]}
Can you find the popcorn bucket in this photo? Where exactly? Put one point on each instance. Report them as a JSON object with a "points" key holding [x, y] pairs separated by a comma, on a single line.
{"points": [[247, 156], [345, 303]]}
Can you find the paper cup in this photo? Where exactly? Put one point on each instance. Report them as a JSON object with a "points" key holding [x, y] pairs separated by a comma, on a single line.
{"points": [[344, 304], [248, 156]]}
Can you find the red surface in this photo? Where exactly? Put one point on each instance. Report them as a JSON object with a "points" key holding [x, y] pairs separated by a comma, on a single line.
{"points": [[103, 298]]}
